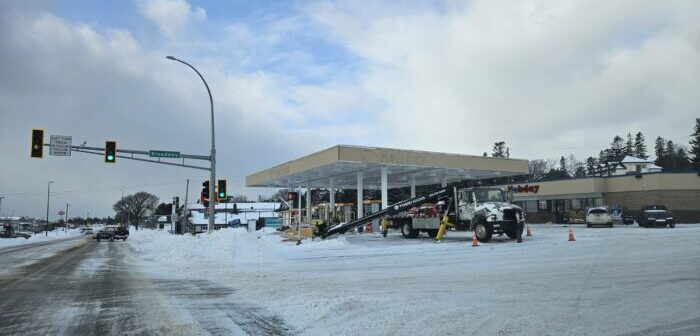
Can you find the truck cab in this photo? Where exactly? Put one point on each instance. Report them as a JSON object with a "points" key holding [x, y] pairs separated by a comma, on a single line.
{"points": [[488, 211]]}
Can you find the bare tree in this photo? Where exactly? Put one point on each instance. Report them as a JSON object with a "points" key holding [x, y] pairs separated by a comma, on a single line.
{"points": [[136, 207]]}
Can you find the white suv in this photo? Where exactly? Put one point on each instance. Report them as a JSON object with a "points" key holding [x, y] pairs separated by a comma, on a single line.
{"points": [[598, 216]]}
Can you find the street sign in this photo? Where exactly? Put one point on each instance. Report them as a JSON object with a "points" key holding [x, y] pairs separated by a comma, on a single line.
{"points": [[60, 145], [163, 154]]}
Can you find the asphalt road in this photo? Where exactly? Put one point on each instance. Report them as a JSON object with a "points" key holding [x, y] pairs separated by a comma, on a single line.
{"points": [[84, 287]]}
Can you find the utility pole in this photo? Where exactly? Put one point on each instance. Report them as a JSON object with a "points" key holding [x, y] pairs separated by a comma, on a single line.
{"points": [[48, 200], [212, 158], [66, 223], [184, 209], [1, 197]]}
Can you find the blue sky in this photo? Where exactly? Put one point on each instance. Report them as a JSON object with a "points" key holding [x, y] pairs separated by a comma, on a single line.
{"points": [[548, 77]]}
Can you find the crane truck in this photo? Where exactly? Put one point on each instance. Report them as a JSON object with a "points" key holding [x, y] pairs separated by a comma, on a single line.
{"points": [[484, 210]]}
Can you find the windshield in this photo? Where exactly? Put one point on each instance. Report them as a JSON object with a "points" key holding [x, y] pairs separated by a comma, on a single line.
{"points": [[597, 211], [490, 195]]}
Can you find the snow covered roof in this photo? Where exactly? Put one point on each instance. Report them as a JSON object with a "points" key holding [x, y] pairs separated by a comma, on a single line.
{"points": [[632, 159]]}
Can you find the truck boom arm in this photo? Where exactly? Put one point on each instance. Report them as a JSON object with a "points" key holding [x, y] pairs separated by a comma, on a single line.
{"points": [[434, 196]]}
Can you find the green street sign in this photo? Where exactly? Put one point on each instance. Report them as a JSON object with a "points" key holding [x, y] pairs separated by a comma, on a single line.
{"points": [[163, 154]]}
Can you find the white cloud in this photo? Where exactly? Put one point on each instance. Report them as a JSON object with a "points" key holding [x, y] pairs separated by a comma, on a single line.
{"points": [[548, 77], [171, 16]]}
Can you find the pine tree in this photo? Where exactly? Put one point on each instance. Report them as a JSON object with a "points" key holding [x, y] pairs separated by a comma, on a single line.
{"points": [[499, 149], [670, 160], [590, 165], [640, 147], [629, 145], [659, 150], [604, 156], [617, 149], [695, 146], [682, 159], [562, 164]]}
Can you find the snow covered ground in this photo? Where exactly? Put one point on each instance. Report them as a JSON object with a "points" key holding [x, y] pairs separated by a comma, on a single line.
{"points": [[39, 237], [608, 282]]}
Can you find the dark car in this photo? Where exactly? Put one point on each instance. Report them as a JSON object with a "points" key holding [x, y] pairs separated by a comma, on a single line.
{"points": [[113, 232], [7, 231], [655, 215]]}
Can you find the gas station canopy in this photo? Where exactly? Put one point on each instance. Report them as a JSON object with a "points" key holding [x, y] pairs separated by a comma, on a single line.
{"points": [[347, 167]]}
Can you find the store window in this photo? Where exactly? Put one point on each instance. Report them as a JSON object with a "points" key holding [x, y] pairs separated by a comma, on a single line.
{"points": [[576, 204], [598, 201], [531, 206]]}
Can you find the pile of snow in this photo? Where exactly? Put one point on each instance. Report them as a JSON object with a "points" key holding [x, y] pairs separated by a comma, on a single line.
{"points": [[225, 246], [40, 237]]}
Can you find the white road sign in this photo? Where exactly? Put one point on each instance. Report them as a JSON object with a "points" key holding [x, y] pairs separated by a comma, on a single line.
{"points": [[60, 145]]}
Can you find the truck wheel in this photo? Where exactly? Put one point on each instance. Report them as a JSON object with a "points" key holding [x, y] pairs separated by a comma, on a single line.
{"points": [[432, 233], [482, 229], [407, 230]]}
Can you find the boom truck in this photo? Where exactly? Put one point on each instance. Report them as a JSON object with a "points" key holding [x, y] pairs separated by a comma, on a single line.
{"points": [[484, 210]]}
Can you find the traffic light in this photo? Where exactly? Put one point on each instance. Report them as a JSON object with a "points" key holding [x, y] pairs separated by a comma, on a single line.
{"points": [[204, 196], [221, 189], [37, 149], [110, 151]]}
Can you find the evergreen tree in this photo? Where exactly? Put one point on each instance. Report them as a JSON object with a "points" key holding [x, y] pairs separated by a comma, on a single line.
{"points": [[695, 146], [590, 165], [640, 147], [580, 171], [562, 164], [660, 151], [629, 146], [604, 156], [670, 161], [499, 149], [682, 159], [617, 149]]}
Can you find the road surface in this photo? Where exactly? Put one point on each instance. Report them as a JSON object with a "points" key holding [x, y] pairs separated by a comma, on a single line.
{"points": [[83, 287]]}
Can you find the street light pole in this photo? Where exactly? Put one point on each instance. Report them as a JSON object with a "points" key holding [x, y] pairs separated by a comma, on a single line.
{"points": [[48, 200], [66, 223], [1, 197], [212, 158]]}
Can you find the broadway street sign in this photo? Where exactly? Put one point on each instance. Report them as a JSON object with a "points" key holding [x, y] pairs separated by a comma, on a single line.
{"points": [[163, 154]]}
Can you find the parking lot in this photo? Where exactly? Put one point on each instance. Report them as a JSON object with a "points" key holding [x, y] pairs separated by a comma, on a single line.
{"points": [[610, 281]]}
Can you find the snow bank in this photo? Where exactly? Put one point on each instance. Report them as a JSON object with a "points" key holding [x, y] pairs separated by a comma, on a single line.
{"points": [[225, 246], [39, 237]]}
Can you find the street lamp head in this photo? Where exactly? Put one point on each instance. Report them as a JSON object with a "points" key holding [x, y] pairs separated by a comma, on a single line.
{"points": [[170, 57]]}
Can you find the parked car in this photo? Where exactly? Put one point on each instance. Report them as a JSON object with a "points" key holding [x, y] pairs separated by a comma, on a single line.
{"points": [[598, 216], [656, 215], [7, 231], [86, 230], [113, 232]]}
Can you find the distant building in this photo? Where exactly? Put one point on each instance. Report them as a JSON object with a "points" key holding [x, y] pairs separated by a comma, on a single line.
{"points": [[633, 165], [232, 214]]}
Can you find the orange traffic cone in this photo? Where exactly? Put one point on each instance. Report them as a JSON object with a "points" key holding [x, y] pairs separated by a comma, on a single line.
{"points": [[475, 243], [529, 233], [571, 234]]}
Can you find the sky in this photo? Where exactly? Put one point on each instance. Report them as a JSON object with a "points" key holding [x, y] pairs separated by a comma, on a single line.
{"points": [[289, 78]]}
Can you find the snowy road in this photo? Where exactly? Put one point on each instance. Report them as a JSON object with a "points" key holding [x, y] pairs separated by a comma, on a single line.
{"points": [[83, 287]]}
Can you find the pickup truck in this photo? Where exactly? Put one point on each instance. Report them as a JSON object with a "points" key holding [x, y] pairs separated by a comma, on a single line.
{"points": [[113, 232]]}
